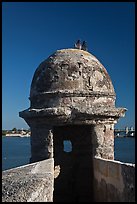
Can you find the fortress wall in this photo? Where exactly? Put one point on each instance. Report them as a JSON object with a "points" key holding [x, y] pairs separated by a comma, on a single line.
{"points": [[114, 181], [29, 183]]}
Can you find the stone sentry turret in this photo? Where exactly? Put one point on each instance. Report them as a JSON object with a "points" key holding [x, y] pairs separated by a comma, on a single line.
{"points": [[72, 98]]}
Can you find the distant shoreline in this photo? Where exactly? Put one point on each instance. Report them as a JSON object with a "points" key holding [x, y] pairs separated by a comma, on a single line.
{"points": [[124, 136], [17, 135], [27, 135]]}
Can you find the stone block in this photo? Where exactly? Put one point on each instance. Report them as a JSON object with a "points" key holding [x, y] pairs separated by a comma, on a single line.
{"points": [[114, 170]]}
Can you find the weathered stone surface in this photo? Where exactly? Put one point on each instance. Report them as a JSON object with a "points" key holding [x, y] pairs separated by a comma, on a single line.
{"points": [[72, 86], [29, 183], [103, 141], [71, 69], [42, 141], [70, 79], [114, 181]]}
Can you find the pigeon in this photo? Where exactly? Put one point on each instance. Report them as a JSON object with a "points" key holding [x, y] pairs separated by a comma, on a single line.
{"points": [[84, 46], [78, 45]]}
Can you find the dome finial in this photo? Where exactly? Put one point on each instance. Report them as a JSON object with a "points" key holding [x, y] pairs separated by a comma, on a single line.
{"points": [[78, 45], [84, 46]]}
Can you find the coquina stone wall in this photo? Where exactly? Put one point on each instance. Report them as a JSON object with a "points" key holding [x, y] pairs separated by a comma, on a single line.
{"points": [[29, 183], [114, 181]]}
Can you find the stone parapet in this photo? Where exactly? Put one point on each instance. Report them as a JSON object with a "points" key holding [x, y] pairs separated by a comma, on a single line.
{"points": [[114, 181], [29, 183]]}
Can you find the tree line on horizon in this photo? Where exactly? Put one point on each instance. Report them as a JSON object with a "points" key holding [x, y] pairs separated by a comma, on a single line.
{"points": [[15, 130]]}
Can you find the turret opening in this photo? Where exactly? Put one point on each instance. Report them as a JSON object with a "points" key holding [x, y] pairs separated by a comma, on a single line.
{"points": [[73, 163]]}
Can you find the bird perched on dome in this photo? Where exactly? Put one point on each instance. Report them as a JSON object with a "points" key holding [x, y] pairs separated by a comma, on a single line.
{"points": [[78, 45], [84, 46]]}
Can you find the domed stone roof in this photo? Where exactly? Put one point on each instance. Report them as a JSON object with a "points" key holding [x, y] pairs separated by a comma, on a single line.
{"points": [[71, 70], [72, 86]]}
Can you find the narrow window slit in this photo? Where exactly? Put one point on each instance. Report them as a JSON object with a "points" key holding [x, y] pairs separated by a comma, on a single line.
{"points": [[89, 81], [67, 146]]}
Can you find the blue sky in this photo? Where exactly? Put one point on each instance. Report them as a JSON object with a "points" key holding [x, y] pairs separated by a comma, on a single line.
{"points": [[31, 31]]}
